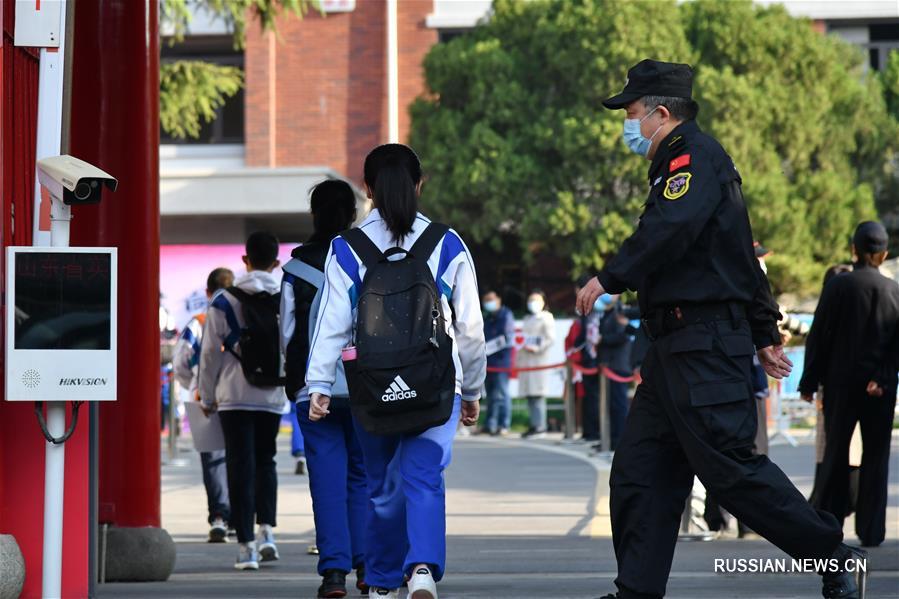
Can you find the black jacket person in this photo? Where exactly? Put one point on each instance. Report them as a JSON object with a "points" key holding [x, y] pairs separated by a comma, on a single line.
{"points": [[852, 351], [708, 306]]}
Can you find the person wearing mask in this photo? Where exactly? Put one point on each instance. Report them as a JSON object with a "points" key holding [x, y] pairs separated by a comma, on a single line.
{"points": [[186, 362], [853, 350], [335, 463], [249, 410], [615, 354], [499, 333], [539, 329], [581, 349], [708, 307], [406, 527]]}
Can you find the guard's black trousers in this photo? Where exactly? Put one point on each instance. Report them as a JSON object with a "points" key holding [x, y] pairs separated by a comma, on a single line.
{"points": [[694, 413], [844, 405]]}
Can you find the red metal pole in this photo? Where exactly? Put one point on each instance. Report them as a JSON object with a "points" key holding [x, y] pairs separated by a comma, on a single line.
{"points": [[115, 125]]}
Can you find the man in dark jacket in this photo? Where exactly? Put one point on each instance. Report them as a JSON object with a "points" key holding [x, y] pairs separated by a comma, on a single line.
{"points": [[615, 354], [499, 332], [853, 350], [706, 303]]}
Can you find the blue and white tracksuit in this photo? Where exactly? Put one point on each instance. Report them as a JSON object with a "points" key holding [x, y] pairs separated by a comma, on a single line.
{"points": [[186, 363], [406, 522], [333, 459]]}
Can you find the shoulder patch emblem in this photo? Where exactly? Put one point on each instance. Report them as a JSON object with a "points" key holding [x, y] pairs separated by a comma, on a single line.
{"points": [[677, 185], [679, 162]]}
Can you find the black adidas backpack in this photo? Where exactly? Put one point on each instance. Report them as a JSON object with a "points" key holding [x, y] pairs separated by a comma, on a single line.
{"points": [[403, 379], [260, 344]]}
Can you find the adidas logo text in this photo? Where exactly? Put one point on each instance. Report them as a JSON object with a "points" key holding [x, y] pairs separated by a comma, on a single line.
{"points": [[398, 390]]}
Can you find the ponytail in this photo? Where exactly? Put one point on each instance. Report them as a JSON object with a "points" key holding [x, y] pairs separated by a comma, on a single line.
{"points": [[392, 173]]}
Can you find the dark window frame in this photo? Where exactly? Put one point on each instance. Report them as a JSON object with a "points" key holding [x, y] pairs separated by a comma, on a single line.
{"points": [[217, 49]]}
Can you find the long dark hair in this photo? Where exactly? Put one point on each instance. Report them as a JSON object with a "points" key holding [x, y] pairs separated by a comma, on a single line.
{"points": [[392, 173], [333, 206]]}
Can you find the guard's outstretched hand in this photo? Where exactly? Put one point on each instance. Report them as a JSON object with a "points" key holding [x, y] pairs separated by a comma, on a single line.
{"points": [[588, 295], [470, 412], [775, 361], [318, 406]]}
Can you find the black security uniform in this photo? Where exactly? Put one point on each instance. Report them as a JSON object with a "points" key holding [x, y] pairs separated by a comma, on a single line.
{"points": [[853, 340], [707, 305]]}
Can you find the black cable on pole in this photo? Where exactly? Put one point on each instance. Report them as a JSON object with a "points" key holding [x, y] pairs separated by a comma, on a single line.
{"points": [[43, 423]]}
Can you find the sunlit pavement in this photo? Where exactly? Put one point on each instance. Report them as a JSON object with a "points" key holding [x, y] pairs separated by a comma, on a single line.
{"points": [[525, 519]]}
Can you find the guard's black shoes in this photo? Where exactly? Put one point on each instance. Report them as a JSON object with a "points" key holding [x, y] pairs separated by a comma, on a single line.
{"points": [[360, 580], [333, 584], [625, 593], [849, 582]]}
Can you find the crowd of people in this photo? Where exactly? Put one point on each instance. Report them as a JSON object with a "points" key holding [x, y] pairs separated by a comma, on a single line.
{"points": [[378, 336]]}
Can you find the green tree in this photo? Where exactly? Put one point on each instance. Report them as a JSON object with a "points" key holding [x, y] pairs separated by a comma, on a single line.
{"points": [[191, 91], [515, 139]]}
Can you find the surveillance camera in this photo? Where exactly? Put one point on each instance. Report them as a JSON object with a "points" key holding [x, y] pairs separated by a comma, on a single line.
{"points": [[73, 181]]}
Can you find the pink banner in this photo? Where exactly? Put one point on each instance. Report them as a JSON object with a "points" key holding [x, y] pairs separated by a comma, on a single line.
{"points": [[183, 270]]}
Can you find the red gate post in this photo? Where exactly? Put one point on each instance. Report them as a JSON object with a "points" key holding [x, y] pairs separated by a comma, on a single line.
{"points": [[115, 125]]}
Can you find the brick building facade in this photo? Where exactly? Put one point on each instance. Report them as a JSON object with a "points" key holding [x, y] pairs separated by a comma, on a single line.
{"points": [[315, 101]]}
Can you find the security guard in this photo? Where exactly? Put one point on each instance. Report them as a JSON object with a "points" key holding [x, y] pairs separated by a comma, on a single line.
{"points": [[852, 350], [706, 303]]}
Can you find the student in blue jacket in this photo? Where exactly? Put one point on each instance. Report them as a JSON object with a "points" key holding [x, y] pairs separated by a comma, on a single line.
{"points": [[406, 529], [333, 454], [499, 333]]}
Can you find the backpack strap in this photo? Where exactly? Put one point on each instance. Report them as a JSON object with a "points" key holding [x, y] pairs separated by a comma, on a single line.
{"points": [[306, 272], [234, 335], [238, 293], [427, 242], [364, 247]]}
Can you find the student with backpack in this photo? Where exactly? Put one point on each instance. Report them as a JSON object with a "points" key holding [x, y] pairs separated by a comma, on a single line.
{"points": [[333, 455], [241, 377], [400, 308], [185, 363]]}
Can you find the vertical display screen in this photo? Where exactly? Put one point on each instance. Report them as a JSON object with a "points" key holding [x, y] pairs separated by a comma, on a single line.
{"points": [[62, 300]]}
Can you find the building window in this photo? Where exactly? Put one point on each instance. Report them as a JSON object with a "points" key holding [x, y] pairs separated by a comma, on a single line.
{"points": [[446, 35], [883, 39], [228, 125]]}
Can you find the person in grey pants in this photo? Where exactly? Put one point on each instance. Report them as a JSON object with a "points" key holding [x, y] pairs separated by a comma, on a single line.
{"points": [[185, 364]]}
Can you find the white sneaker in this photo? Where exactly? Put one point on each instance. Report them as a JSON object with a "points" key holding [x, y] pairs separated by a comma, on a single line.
{"points": [[377, 593], [218, 531], [265, 538], [247, 557], [422, 585]]}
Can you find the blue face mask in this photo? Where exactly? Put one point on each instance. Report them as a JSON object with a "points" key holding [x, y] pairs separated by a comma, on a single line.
{"points": [[602, 302], [491, 306], [634, 138]]}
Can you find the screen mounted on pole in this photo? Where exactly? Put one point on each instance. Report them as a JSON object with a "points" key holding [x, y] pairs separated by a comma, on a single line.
{"points": [[61, 324]]}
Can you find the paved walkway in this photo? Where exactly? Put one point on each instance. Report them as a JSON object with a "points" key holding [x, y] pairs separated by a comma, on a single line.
{"points": [[526, 520]]}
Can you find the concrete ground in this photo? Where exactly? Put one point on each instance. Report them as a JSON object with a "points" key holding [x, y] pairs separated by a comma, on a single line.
{"points": [[525, 519]]}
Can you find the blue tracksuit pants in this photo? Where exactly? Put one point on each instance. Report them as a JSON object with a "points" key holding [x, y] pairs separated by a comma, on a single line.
{"points": [[406, 523], [338, 487], [296, 436]]}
